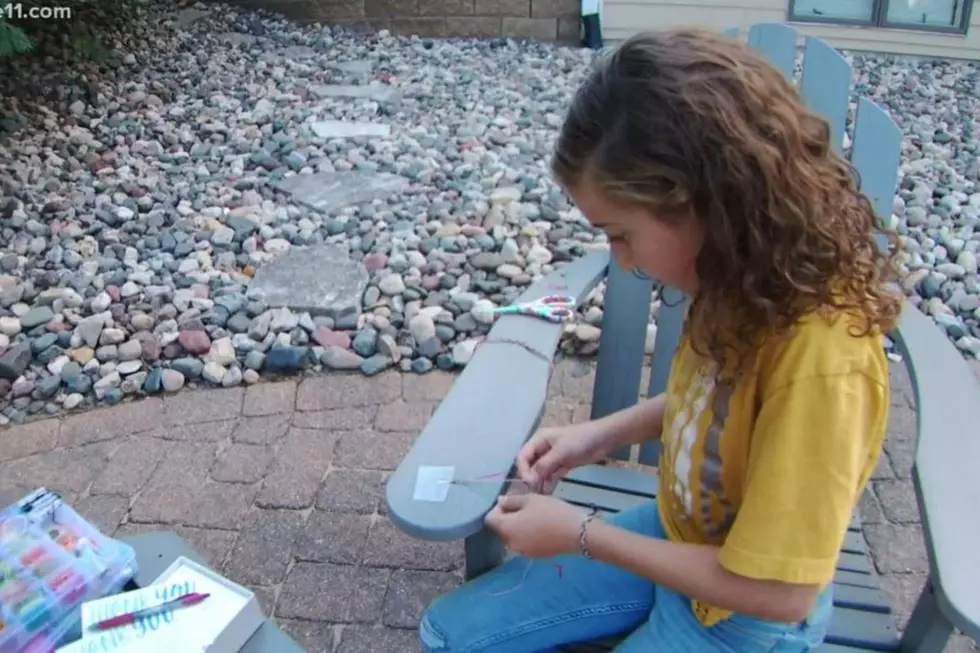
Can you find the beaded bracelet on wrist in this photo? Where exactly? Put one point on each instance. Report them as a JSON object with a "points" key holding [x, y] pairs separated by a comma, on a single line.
{"points": [[583, 544]]}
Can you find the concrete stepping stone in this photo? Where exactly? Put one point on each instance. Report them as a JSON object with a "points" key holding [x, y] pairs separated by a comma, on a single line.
{"points": [[319, 280], [376, 92], [188, 16], [299, 52], [329, 192], [355, 67], [236, 38], [292, 53], [350, 129]]}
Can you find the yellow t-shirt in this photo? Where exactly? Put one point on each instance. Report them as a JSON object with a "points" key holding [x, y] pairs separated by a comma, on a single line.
{"points": [[770, 467]]}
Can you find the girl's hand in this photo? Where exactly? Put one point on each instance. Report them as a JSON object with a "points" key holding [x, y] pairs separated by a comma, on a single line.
{"points": [[536, 526], [552, 452]]}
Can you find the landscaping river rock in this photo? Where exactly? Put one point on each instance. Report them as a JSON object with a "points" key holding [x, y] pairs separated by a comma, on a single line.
{"points": [[229, 195]]}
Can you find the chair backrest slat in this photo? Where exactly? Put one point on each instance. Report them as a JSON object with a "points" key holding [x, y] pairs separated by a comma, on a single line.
{"points": [[670, 321], [825, 85], [876, 155], [778, 43], [626, 313]]}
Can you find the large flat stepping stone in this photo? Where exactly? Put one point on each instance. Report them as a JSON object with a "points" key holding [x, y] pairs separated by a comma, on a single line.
{"points": [[190, 15], [329, 192], [350, 129], [319, 280], [290, 53], [356, 67], [377, 92], [299, 52], [236, 38]]}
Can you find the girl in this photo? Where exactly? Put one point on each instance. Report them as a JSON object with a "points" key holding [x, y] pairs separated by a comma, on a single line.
{"points": [[708, 173]]}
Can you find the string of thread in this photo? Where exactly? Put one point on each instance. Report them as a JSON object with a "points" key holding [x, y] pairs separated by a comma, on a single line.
{"points": [[551, 371], [487, 340], [523, 579], [527, 570], [520, 583]]}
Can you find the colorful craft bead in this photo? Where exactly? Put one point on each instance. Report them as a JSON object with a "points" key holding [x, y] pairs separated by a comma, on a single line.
{"points": [[69, 584], [32, 612]]}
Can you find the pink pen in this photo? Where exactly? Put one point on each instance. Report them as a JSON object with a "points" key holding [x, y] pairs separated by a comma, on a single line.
{"points": [[130, 617]]}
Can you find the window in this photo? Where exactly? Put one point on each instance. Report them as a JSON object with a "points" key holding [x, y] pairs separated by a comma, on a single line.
{"points": [[933, 15]]}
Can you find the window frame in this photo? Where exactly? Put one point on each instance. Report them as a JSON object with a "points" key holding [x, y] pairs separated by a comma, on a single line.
{"points": [[879, 19]]}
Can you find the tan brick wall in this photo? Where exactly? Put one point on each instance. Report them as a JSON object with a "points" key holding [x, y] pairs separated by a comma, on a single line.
{"points": [[545, 20]]}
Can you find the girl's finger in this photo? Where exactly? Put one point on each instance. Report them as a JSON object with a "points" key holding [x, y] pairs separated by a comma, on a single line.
{"points": [[546, 468], [528, 457], [492, 518], [511, 502], [549, 484]]}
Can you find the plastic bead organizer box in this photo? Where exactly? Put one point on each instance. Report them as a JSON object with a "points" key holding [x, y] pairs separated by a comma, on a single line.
{"points": [[51, 561]]}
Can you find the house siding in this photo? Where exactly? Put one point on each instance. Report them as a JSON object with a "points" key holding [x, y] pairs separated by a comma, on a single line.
{"points": [[622, 18]]}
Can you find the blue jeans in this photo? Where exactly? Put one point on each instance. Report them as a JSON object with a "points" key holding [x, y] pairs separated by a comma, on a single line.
{"points": [[535, 607]]}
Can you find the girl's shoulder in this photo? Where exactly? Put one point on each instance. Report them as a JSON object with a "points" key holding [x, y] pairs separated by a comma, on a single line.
{"points": [[828, 342]]}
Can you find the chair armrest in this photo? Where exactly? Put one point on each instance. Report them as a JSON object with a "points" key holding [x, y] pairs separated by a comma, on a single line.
{"points": [[492, 408], [947, 396]]}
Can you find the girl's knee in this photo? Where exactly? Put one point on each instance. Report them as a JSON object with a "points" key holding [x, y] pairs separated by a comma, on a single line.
{"points": [[432, 635], [450, 625], [430, 638]]}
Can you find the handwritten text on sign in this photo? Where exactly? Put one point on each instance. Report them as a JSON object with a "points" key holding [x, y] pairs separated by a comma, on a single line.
{"points": [[133, 601]]}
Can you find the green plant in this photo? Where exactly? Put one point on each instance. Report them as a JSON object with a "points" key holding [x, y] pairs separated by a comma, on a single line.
{"points": [[13, 40], [20, 35]]}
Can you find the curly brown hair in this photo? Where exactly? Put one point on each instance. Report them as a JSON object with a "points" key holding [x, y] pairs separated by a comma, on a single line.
{"points": [[684, 121]]}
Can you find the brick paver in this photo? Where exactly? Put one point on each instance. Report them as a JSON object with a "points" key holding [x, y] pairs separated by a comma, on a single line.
{"points": [[280, 487]]}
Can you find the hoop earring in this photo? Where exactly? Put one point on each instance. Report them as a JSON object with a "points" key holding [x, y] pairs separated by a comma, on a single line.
{"points": [[639, 274], [663, 298]]}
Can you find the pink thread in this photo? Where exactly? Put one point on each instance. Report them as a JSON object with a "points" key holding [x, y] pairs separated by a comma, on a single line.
{"points": [[494, 475], [520, 583]]}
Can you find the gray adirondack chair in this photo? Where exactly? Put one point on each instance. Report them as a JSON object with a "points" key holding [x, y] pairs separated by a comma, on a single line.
{"points": [[498, 400]]}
